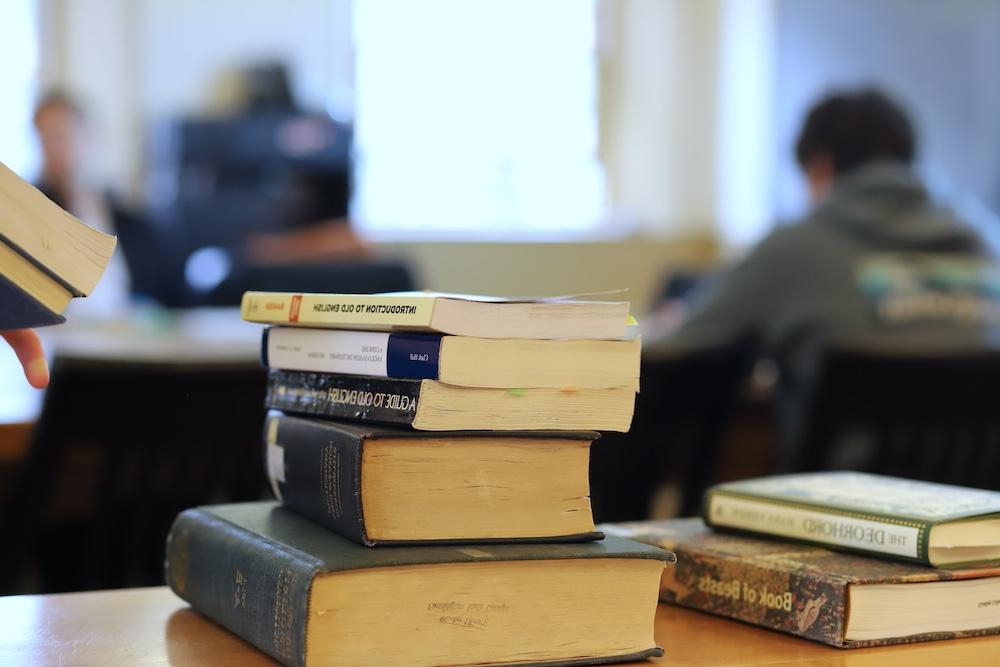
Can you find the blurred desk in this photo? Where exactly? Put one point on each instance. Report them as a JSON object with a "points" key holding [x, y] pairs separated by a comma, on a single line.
{"points": [[215, 335], [209, 335], [151, 626]]}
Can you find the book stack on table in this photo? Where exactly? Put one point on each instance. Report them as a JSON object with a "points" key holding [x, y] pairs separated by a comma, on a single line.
{"points": [[844, 558], [429, 455]]}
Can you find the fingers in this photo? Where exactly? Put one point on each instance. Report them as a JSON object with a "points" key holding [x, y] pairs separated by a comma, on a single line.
{"points": [[28, 348]]}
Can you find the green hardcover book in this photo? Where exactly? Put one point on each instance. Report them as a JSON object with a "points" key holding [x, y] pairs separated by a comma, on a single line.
{"points": [[310, 598], [840, 599], [934, 524]]}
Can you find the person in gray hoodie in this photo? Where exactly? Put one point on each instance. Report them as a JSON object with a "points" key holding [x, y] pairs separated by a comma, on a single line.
{"points": [[877, 256]]}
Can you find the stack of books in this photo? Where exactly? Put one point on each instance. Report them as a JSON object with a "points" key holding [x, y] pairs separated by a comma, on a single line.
{"points": [[922, 561], [429, 455]]}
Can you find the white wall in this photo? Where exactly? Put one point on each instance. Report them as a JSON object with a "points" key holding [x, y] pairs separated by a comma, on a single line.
{"points": [[190, 48]]}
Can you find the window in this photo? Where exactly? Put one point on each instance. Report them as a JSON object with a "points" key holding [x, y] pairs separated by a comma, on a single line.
{"points": [[19, 55], [476, 119]]}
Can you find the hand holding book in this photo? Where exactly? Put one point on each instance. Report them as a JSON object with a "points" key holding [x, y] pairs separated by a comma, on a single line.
{"points": [[28, 348]]}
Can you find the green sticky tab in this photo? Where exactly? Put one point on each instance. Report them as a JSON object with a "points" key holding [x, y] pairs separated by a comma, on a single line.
{"points": [[516, 392]]}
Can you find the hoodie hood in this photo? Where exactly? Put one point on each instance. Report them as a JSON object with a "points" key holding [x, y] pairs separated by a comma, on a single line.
{"points": [[887, 205]]}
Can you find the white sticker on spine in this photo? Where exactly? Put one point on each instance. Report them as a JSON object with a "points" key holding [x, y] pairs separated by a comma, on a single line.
{"points": [[276, 467]]}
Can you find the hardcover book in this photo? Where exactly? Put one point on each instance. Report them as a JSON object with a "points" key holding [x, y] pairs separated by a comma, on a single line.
{"points": [[392, 486], [935, 524], [429, 405], [47, 256], [308, 597], [458, 314], [456, 360], [840, 599]]}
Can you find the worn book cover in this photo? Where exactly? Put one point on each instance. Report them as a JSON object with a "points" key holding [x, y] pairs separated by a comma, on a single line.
{"points": [[922, 522], [336, 474], [306, 596], [794, 588]]}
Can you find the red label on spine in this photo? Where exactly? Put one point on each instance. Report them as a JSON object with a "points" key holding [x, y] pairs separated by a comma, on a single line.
{"points": [[293, 310]]}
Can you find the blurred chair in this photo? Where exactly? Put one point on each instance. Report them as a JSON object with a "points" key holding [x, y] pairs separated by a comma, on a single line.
{"points": [[687, 396], [121, 447], [356, 277], [912, 412]]}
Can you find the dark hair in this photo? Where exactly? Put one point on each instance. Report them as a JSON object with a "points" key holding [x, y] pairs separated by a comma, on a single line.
{"points": [[855, 128], [57, 99]]}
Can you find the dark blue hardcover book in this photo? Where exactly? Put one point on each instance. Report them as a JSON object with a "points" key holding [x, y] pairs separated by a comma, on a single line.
{"points": [[347, 477], [20, 310]]}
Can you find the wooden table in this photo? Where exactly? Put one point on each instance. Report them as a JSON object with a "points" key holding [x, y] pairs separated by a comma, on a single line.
{"points": [[149, 626]]}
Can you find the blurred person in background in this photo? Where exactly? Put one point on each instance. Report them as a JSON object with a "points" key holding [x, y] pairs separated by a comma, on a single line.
{"points": [[319, 225], [68, 180], [876, 256]]}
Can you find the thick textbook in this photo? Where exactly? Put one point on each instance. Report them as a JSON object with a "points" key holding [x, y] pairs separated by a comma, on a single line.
{"points": [[456, 360], [840, 599], [429, 405], [308, 597], [935, 524], [381, 486], [47, 256], [458, 314]]}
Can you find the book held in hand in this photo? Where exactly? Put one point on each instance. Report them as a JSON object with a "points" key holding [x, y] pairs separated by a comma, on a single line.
{"points": [[456, 360], [47, 257], [429, 405], [840, 599], [935, 524], [457, 314], [390, 486], [308, 597]]}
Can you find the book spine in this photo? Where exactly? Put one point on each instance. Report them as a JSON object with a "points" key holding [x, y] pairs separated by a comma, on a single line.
{"points": [[316, 471], [357, 397], [412, 356], [800, 602], [337, 310], [829, 527], [246, 583]]}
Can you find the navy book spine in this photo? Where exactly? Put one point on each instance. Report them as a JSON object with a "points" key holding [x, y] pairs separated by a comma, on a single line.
{"points": [[317, 472]]}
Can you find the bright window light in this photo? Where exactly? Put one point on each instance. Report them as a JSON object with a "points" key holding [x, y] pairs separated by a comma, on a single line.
{"points": [[19, 55], [476, 119]]}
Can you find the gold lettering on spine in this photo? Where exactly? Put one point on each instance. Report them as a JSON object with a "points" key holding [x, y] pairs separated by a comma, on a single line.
{"points": [[284, 615], [330, 479]]}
